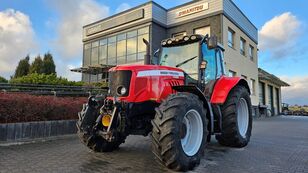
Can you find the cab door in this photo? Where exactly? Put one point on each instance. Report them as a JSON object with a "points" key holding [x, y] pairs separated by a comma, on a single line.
{"points": [[214, 69]]}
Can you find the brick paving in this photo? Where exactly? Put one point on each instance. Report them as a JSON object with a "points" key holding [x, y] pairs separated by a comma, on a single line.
{"points": [[278, 144]]}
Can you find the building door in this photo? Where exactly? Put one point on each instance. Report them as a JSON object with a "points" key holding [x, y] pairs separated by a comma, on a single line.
{"points": [[261, 93], [277, 101], [271, 99]]}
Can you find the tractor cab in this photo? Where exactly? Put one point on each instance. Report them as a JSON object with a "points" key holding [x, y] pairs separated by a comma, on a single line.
{"points": [[201, 58]]}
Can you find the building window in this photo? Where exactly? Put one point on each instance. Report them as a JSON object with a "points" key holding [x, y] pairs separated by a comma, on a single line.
{"points": [[131, 50], [232, 73], [127, 47], [203, 31], [242, 46], [251, 51], [87, 55], [94, 53], [231, 34], [112, 51], [253, 86], [180, 34], [121, 49], [102, 55], [141, 46]]}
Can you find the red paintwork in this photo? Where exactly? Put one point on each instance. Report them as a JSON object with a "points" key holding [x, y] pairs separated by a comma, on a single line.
{"points": [[222, 88], [153, 88], [158, 88]]}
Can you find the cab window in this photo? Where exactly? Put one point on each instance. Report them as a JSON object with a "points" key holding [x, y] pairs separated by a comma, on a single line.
{"points": [[220, 70], [210, 58]]}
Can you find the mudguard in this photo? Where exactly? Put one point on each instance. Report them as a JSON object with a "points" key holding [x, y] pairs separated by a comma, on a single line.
{"points": [[223, 87], [195, 90]]}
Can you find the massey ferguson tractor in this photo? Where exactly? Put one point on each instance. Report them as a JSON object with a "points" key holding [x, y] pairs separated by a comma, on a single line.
{"points": [[179, 101]]}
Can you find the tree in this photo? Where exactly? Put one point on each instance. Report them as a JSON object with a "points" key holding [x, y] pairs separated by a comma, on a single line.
{"points": [[3, 80], [23, 67], [37, 65], [49, 66]]}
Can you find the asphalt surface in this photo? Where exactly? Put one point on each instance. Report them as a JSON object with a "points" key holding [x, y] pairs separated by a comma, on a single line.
{"points": [[278, 144]]}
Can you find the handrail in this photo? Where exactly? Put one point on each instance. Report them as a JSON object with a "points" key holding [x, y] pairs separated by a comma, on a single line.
{"points": [[52, 89]]}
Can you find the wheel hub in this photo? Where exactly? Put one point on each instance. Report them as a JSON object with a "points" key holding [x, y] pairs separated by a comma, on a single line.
{"points": [[191, 132], [242, 117]]}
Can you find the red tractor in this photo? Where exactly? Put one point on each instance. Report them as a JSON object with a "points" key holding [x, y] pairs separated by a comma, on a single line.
{"points": [[180, 102]]}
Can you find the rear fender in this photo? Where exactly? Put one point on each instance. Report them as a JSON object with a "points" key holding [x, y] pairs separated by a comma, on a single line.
{"points": [[194, 90], [223, 87]]}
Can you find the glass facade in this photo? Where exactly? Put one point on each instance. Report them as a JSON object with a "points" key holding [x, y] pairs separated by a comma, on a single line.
{"points": [[123, 48], [127, 47]]}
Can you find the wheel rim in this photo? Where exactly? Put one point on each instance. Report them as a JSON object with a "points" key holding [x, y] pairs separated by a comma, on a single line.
{"points": [[242, 117], [192, 139]]}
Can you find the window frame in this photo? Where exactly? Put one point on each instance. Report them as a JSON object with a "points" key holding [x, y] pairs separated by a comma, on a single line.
{"points": [[251, 52], [231, 43], [243, 46]]}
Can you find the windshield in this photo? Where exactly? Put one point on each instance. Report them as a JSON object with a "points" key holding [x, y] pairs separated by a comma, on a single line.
{"points": [[173, 56]]}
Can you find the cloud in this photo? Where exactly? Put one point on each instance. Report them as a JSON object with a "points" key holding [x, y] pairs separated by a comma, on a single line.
{"points": [[279, 35], [17, 39], [65, 70], [123, 7], [72, 17], [297, 93], [67, 45]]}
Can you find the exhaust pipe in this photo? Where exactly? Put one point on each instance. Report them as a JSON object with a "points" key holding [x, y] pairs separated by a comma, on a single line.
{"points": [[147, 56]]}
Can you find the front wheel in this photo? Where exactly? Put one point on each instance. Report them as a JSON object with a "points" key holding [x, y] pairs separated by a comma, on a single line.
{"points": [[236, 119], [180, 131], [88, 137]]}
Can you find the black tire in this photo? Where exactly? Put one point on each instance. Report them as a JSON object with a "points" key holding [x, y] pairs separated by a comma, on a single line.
{"points": [[166, 133], [90, 139], [230, 135]]}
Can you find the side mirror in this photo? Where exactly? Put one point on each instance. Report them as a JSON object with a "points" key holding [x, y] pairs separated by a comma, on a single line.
{"points": [[212, 42], [203, 65]]}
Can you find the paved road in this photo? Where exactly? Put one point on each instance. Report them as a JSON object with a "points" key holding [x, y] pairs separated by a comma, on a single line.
{"points": [[278, 144]]}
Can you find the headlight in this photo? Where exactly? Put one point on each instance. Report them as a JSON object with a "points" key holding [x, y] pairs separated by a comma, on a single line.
{"points": [[121, 90]]}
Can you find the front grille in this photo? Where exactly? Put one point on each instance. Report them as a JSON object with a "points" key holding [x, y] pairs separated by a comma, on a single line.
{"points": [[118, 79]]}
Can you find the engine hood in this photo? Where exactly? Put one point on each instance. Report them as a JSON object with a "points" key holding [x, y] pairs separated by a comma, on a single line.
{"points": [[137, 68]]}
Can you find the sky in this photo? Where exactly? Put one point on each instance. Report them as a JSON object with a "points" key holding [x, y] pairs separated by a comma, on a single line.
{"points": [[39, 26]]}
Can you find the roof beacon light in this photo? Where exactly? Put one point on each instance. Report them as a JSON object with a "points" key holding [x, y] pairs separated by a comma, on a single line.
{"points": [[193, 37]]}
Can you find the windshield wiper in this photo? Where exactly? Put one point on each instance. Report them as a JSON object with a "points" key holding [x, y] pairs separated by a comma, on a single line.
{"points": [[186, 61]]}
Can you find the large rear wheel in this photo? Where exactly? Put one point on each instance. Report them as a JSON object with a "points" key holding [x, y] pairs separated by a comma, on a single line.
{"points": [[180, 131], [237, 119]]}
